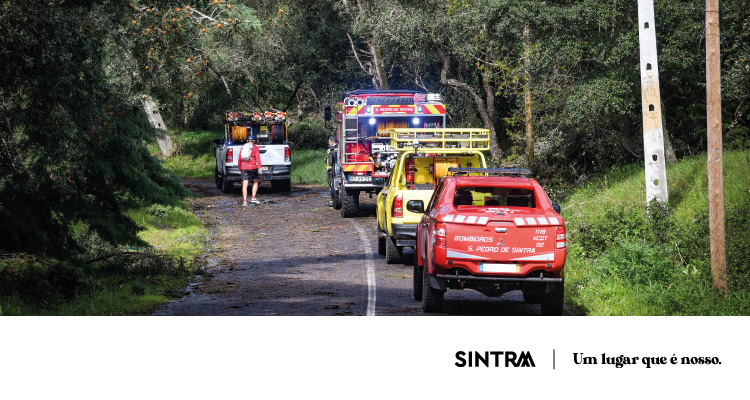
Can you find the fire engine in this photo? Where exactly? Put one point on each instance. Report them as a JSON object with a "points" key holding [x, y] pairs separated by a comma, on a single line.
{"points": [[364, 119]]}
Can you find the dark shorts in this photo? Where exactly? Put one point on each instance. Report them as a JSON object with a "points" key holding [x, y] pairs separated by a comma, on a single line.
{"points": [[249, 174]]}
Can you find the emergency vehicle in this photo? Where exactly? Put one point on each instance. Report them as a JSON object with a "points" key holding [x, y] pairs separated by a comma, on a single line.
{"points": [[270, 132], [493, 233], [365, 156], [425, 156]]}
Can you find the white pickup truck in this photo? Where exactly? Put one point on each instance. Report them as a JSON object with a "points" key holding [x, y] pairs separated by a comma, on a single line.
{"points": [[269, 130]]}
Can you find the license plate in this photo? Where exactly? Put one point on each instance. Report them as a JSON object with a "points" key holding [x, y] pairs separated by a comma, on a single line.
{"points": [[360, 178], [497, 267]]}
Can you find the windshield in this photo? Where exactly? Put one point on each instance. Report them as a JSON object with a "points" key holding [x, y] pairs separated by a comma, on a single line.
{"points": [[493, 197]]}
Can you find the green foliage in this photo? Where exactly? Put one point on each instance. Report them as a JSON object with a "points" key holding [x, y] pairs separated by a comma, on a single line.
{"points": [[308, 166], [626, 258], [309, 133]]}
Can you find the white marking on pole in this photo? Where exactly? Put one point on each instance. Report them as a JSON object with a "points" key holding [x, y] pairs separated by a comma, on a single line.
{"points": [[370, 267]]}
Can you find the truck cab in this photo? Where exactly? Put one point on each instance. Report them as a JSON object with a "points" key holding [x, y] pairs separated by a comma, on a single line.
{"points": [[425, 157], [493, 234], [269, 130]]}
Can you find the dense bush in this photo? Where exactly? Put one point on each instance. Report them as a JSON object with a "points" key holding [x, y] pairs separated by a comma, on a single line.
{"points": [[309, 133]]}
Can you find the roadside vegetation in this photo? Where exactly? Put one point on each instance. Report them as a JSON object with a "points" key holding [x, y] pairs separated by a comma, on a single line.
{"points": [[620, 262]]}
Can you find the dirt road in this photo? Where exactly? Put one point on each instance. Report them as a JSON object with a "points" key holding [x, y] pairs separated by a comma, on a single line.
{"points": [[294, 255]]}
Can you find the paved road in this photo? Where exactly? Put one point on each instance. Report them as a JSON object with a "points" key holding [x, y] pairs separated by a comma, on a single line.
{"points": [[293, 255]]}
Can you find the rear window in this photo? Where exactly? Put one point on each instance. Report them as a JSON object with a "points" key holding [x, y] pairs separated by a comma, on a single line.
{"points": [[493, 197]]}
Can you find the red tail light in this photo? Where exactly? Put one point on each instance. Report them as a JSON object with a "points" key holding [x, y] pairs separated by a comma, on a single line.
{"points": [[397, 209], [438, 235], [230, 155], [410, 169], [561, 238], [287, 155]]}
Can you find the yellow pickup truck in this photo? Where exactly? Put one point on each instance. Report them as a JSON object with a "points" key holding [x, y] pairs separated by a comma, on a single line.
{"points": [[424, 158]]}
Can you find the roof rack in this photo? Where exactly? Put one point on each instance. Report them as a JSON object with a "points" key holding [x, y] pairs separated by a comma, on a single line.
{"points": [[440, 140], [491, 171]]}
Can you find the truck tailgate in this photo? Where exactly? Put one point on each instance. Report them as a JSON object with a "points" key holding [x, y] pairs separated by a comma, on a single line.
{"points": [[272, 154], [511, 239]]}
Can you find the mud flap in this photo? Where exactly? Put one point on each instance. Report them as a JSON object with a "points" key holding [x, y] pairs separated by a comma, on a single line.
{"points": [[437, 283]]}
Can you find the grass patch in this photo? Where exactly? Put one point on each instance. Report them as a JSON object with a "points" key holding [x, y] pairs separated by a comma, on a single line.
{"points": [[107, 280], [193, 155], [621, 262], [308, 166]]}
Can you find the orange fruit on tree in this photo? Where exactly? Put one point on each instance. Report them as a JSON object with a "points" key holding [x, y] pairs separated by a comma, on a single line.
{"points": [[229, 6], [218, 25], [134, 22], [216, 2]]}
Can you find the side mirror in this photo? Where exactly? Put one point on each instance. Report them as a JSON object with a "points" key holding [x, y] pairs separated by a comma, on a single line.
{"points": [[327, 113], [415, 206], [218, 142], [556, 207]]}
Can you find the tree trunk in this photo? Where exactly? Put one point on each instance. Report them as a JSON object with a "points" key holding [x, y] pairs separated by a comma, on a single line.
{"points": [[486, 108]]}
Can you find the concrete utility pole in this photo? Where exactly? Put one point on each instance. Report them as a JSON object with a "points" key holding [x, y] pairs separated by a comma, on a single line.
{"points": [[154, 118], [653, 133], [715, 163]]}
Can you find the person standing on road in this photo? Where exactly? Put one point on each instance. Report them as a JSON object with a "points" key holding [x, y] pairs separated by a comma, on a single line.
{"points": [[250, 169], [331, 159]]}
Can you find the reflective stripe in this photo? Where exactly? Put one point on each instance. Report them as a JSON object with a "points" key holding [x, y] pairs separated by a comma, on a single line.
{"points": [[460, 218], [538, 257], [542, 220], [482, 220], [530, 221], [553, 221], [448, 218], [519, 221], [471, 219]]}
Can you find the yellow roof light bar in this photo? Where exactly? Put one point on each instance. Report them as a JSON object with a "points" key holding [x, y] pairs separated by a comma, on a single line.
{"points": [[442, 140]]}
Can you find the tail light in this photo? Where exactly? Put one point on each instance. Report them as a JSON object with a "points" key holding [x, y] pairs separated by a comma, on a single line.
{"points": [[287, 155], [397, 209], [230, 155], [561, 239], [438, 235], [410, 169]]}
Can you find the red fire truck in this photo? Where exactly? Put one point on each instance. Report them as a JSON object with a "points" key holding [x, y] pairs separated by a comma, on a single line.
{"points": [[364, 157]]}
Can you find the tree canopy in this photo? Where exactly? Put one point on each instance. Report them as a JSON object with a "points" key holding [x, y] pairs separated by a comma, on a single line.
{"points": [[73, 135]]}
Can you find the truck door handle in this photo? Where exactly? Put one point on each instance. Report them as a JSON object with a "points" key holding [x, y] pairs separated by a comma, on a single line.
{"points": [[501, 230]]}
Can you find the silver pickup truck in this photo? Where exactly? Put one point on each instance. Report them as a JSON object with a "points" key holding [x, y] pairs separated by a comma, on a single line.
{"points": [[270, 135]]}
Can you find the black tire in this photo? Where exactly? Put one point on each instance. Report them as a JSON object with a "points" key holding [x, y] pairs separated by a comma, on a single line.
{"points": [[349, 202], [282, 186], [432, 299], [217, 178], [393, 254], [552, 304], [335, 199], [226, 185], [417, 279], [381, 245]]}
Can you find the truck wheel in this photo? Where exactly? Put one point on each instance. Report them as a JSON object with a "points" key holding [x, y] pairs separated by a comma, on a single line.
{"points": [[349, 202], [282, 186], [335, 199], [432, 300], [217, 178], [417, 279], [392, 252], [552, 303], [226, 185]]}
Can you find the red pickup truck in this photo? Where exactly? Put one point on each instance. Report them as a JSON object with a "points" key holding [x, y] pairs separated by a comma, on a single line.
{"points": [[492, 233]]}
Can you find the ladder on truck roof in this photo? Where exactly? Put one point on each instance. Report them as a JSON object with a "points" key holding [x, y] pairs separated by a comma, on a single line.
{"points": [[440, 140], [352, 154]]}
